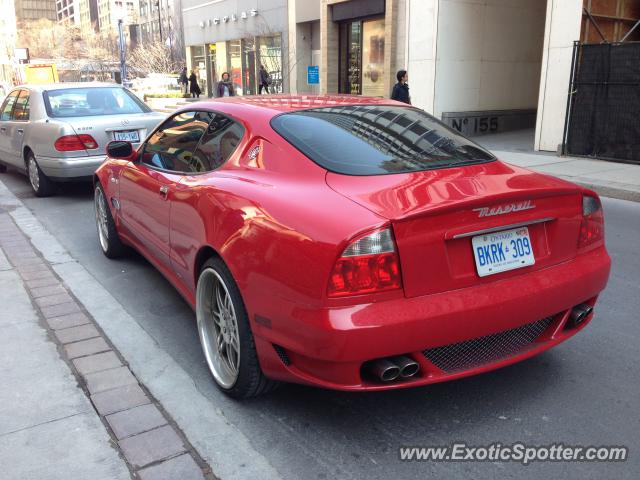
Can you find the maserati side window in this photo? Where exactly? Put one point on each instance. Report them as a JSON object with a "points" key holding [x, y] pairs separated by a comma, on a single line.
{"points": [[171, 147], [218, 144]]}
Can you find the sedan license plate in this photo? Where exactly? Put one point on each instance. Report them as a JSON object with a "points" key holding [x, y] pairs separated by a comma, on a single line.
{"points": [[127, 136], [502, 251]]}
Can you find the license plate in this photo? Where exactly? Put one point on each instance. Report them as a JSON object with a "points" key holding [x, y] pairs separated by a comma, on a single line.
{"points": [[502, 251], [127, 136]]}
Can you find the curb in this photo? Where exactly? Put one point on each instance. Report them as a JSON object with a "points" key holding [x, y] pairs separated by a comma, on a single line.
{"points": [[146, 437]]}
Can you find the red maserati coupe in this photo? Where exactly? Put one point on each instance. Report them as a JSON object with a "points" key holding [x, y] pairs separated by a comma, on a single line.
{"points": [[351, 243]]}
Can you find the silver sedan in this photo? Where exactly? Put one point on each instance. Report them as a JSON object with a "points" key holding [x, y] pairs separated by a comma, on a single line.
{"points": [[59, 132]]}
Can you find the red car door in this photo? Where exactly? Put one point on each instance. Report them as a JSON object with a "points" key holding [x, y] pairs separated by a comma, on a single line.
{"points": [[147, 187], [188, 217]]}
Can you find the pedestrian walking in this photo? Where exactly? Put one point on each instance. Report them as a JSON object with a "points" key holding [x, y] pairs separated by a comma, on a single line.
{"points": [[194, 88], [265, 80], [183, 80], [225, 86], [401, 89]]}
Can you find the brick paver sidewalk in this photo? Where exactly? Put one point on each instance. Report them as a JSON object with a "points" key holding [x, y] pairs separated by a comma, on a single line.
{"points": [[121, 416]]}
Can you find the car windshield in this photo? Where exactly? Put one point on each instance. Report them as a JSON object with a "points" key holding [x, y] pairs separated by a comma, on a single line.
{"points": [[92, 101], [376, 139]]}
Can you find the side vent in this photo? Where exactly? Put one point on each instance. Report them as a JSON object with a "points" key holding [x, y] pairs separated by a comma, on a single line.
{"points": [[282, 353]]}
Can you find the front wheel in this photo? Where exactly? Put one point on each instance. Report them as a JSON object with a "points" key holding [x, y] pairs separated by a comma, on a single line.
{"points": [[225, 334], [110, 242], [40, 183]]}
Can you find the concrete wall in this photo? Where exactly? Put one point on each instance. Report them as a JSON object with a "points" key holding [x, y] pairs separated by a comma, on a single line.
{"points": [[562, 29], [489, 54], [421, 27], [304, 37]]}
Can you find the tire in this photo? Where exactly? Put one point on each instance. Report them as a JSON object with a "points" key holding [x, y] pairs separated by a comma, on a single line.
{"points": [[40, 183], [108, 237], [3, 168], [218, 297]]}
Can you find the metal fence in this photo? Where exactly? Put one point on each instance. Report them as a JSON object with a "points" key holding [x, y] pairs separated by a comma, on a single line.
{"points": [[603, 106]]}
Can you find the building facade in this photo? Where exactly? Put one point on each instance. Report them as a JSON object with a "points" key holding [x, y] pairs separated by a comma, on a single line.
{"points": [[237, 36], [161, 21], [35, 9], [88, 15], [68, 11], [111, 11], [481, 66]]}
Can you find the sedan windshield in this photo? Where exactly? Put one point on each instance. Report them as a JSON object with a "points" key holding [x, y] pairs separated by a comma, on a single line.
{"points": [[92, 101], [376, 140]]}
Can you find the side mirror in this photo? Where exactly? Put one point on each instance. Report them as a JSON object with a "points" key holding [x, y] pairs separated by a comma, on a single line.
{"points": [[121, 150]]}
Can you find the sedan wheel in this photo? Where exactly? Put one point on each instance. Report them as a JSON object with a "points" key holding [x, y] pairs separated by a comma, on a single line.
{"points": [[40, 183], [225, 334]]}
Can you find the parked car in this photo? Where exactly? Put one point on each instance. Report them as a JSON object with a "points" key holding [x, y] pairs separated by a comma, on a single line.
{"points": [[351, 243], [59, 132]]}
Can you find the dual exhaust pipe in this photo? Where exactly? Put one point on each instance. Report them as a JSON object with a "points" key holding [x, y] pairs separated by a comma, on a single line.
{"points": [[389, 369]]}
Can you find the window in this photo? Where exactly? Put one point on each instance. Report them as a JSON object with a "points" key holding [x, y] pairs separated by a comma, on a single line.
{"points": [[375, 140], [171, 147], [7, 106], [218, 144], [88, 102], [21, 108]]}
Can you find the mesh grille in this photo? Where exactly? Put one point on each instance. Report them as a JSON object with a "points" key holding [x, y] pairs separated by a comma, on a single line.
{"points": [[484, 350], [282, 353]]}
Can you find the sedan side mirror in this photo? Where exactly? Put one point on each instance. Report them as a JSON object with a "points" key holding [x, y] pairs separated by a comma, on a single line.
{"points": [[121, 150]]}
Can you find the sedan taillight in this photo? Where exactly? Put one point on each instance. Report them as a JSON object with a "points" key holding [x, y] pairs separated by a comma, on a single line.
{"points": [[71, 143], [592, 227], [368, 265]]}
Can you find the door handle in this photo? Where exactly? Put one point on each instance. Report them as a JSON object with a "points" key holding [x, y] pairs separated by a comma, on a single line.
{"points": [[20, 131], [164, 190], [3, 129]]}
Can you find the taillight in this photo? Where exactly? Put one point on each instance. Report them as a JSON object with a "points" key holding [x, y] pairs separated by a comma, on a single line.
{"points": [[70, 143], [369, 264], [592, 227]]}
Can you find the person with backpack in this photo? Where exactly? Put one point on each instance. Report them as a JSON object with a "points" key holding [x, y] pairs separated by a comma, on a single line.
{"points": [[401, 89], [183, 80], [265, 80]]}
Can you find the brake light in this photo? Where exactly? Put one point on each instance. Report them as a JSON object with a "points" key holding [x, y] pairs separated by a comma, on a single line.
{"points": [[592, 227], [71, 143], [369, 264]]}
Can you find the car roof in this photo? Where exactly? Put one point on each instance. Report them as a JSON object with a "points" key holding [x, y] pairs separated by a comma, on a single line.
{"points": [[66, 85], [276, 104]]}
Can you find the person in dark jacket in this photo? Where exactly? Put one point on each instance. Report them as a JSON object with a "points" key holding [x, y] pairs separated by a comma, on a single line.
{"points": [[401, 89], [265, 80], [194, 88], [184, 81], [225, 86]]}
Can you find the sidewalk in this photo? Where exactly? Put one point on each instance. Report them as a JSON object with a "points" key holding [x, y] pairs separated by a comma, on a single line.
{"points": [[70, 408], [610, 179]]}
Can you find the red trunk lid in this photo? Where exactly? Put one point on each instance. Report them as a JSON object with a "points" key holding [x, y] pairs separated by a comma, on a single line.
{"points": [[434, 212]]}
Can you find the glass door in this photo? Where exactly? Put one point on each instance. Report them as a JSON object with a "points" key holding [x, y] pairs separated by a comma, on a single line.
{"points": [[361, 64]]}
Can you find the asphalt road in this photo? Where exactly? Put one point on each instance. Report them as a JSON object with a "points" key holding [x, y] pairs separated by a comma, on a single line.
{"points": [[584, 392]]}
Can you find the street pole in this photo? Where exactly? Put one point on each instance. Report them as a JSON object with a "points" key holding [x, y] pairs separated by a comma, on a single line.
{"points": [[159, 19], [122, 49]]}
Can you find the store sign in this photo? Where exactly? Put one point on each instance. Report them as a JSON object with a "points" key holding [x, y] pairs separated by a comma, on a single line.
{"points": [[313, 75], [225, 18]]}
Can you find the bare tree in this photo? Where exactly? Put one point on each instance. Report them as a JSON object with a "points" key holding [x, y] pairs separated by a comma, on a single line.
{"points": [[152, 58]]}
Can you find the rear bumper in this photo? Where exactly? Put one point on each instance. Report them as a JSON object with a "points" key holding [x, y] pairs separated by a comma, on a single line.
{"points": [[327, 347], [70, 168]]}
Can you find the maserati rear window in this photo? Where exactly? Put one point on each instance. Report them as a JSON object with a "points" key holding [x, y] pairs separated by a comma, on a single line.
{"points": [[376, 140], [92, 101]]}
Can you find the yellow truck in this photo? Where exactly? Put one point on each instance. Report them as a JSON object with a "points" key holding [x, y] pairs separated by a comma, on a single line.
{"points": [[40, 74]]}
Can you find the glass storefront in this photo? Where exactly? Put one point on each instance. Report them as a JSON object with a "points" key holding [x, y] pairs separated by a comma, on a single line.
{"points": [[242, 59], [199, 64], [361, 69]]}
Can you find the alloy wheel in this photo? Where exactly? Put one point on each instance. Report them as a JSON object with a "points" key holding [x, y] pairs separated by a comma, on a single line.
{"points": [[218, 328], [34, 174], [102, 219]]}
